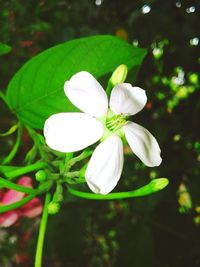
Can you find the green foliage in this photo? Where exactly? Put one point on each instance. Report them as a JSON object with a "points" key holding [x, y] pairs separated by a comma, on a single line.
{"points": [[4, 49], [36, 91]]}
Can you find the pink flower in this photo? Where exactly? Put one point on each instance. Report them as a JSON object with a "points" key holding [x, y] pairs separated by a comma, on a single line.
{"points": [[31, 209]]}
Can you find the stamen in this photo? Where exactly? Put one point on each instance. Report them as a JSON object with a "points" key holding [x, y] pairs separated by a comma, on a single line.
{"points": [[116, 122]]}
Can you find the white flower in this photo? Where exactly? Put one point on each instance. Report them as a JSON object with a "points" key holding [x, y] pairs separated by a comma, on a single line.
{"points": [[70, 132]]}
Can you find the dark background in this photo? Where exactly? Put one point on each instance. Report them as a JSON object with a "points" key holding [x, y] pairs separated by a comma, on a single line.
{"points": [[159, 230]]}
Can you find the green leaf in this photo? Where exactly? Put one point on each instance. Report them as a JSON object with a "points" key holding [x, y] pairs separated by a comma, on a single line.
{"points": [[4, 49], [152, 187], [36, 90]]}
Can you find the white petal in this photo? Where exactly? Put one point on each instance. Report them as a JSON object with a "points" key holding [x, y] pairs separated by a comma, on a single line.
{"points": [[105, 166], [126, 99], [85, 92], [70, 132], [143, 144]]}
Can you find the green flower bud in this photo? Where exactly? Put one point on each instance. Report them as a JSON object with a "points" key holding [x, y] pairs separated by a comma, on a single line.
{"points": [[53, 208], [119, 75], [184, 199], [193, 78], [158, 184], [40, 176]]}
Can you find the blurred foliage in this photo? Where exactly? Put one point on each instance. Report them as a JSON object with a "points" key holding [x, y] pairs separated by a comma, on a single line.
{"points": [[159, 230]]}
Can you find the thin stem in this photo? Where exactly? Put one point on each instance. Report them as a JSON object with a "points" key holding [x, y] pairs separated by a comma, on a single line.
{"points": [[37, 142], [43, 188], [109, 88], [31, 155], [75, 181], [66, 168], [152, 187], [10, 131], [31, 191], [7, 184], [16, 205], [26, 169], [15, 148], [73, 174], [42, 231], [85, 154]]}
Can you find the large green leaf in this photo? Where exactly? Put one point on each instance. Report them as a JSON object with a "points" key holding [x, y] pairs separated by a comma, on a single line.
{"points": [[36, 91], [4, 49]]}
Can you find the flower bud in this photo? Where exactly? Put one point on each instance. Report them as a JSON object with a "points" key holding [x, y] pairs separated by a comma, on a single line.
{"points": [[53, 208], [40, 176], [159, 183], [193, 78], [184, 199], [119, 75]]}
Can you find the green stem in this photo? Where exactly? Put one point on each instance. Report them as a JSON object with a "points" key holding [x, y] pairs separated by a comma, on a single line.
{"points": [[15, 148], [31, 191], [42, 231], [73, 174], [26, 169], [66, 168], [37, 142], [75, 180], [31, 155], [152, 187], [10, 131], [109, 88], [42, 189], [7, 184], [16, 205], [85, 154]]}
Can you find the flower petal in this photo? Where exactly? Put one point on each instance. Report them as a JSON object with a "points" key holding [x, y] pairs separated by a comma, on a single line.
{"points": [[9, 218], [70, 132], [85, 92], [33, 208], [105, 166], [12, 196], [127, 100], [143, 144], [26, 181], [1, 195]]}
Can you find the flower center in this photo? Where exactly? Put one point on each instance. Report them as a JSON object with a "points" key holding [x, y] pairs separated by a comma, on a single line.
{"points": [[115, 122]]}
